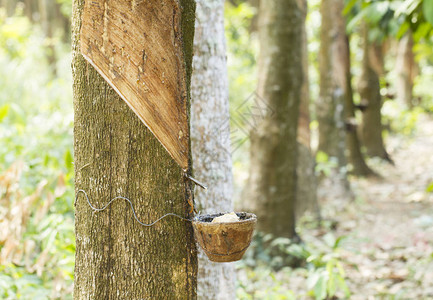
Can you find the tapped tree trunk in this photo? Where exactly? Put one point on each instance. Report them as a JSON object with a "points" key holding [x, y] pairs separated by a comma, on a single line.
{"points": [[116, 155], [272, 181], [369, 90], [210, 138]]}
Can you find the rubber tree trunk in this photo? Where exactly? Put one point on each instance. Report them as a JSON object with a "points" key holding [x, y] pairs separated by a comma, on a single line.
{"points": [[9, 6], [272, 181], [355, 157], [306, 186], [406, 70], [369, 90], [304, 109], [330, 106], [47, 17], [29, 9], [210, 137], [115, 154]]}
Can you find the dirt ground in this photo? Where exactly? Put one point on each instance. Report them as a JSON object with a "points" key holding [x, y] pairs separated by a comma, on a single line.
{"points": [[388, 249]]}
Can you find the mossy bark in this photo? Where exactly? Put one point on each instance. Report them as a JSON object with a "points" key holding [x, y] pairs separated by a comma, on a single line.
{"points": [[115, 154], [272, 182]]}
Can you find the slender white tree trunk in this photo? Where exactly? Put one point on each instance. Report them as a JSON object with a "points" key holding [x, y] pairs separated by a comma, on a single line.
{"points": [[210, 137]]}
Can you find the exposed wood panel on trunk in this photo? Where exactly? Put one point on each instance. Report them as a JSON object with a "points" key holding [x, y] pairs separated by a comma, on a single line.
{"points": [[137, 47]]}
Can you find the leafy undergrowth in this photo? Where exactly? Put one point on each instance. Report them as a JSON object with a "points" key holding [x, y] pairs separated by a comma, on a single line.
{"points": [[377, 246], [320, 273], [36, 214]]}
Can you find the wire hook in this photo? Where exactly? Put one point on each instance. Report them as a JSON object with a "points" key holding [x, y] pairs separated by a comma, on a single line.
{"points": [[196, 181]]}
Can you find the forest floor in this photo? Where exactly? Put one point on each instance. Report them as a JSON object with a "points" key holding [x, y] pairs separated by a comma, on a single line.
{"points": [[388, 228]]}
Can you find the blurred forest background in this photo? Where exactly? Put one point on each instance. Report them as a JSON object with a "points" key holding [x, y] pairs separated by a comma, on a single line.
{"points": [[364, 219]]}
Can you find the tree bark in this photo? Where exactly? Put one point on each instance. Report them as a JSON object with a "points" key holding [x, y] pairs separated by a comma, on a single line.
{"points": [[210, 138], [304, 106], [28, 9], [46, 11], [330, 107], [369, 90], [356, 159], [272, 181], [115, 154], [306, 187], [406, 70], [10, 6], [336, 92]]}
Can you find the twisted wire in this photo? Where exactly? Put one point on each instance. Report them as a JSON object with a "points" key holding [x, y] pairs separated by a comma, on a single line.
{"points": [[132, 207]]}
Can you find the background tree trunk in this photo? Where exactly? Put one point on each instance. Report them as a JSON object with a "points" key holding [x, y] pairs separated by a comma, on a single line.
{"points": [[306, 186], [47, 14], [369, 90], [272, 181], [115, 154], [210, 138], [9, 6], [330, 106], [406, 70], [304, 106], [29, 9], [359, 166]]}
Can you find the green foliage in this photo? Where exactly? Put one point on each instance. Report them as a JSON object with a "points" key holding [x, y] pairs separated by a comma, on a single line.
{"points": [[429, 188], [328, 276], [378, 14], [263, 283], [36, 174], [15, 35], [325, 164], [391, 18], [65, 7], [422, 86], [427, 7], [268, 260], [242, 48], [399, 119]]}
